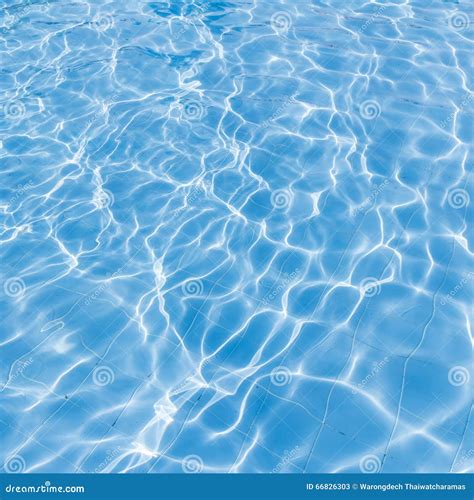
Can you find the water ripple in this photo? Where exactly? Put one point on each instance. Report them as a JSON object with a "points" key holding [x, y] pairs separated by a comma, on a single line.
{"points": [[235, 237]]}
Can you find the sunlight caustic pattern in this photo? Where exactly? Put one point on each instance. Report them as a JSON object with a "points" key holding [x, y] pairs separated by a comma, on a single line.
{"points": [[234, 236]]}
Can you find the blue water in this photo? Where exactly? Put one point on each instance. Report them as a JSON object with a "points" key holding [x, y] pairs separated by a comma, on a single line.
{"points": [[234, 236]]}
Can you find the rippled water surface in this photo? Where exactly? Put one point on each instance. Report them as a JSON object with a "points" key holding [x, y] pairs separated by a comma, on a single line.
{"points": [[234, 236]]}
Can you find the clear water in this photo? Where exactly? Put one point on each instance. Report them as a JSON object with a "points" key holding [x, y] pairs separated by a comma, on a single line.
{"points": [[234, 236]]}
